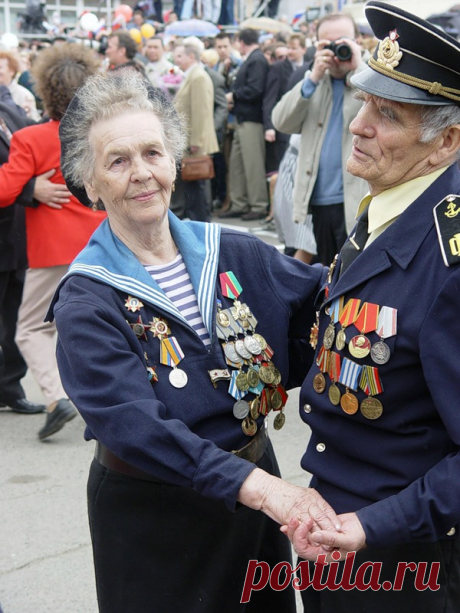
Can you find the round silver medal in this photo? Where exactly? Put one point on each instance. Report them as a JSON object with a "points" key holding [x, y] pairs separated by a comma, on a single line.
{"points": [[241, 349], [178, 378], [380, 352], [231, 354], [241, 409], [252, 345]]}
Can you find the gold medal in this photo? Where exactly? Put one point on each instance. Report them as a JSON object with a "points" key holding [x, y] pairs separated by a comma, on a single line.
{"points": [[260, 339], [255, 406], [279, 421], [253, 377], [329, 336], [334, 394], [349, 403], [319, 383], [242, 382], [371, 408], [341, 339], [223, 319], [266, 374], [277, 400], [249, 426], [276, 376], [359, 346]]}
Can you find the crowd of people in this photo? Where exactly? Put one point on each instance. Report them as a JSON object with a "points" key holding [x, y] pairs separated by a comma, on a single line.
{"points": [[176, 338]]}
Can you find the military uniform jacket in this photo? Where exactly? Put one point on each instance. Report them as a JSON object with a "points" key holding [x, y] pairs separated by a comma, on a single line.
{"points": [[400, 472], [180, 435]]}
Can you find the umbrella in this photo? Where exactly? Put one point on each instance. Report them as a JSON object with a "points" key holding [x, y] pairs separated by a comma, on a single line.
{"points": [[192, 27], [267, 24]]}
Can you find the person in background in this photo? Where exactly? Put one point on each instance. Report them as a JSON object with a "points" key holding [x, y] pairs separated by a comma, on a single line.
{"points": [[248, 186], [158, 65], [181, 468], [9, 68], [121, 52], [55, 234], [321, 108]]}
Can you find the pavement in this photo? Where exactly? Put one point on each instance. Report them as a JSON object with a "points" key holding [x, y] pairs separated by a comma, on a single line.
{"points": [[45, 551]]}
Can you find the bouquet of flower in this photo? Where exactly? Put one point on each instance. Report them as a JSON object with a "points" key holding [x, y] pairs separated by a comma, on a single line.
{"points": [[170, 81]]}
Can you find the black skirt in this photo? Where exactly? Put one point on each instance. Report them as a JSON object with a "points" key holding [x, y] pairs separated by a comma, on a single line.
{"points": [[161, 548]]}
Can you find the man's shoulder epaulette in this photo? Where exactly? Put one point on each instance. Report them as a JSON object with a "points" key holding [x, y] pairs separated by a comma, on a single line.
{"points": [[447, 220]]}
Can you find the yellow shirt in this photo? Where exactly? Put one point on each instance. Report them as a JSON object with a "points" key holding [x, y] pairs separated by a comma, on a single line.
{"points": [[386, 207]]}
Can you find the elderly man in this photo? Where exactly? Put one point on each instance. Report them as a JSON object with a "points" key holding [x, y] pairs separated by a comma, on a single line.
{"points": [[382, 396]]}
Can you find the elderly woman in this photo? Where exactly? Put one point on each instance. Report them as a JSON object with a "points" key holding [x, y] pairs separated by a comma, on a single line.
{"points": [[173, 344], [9, 67], [54, 235]]}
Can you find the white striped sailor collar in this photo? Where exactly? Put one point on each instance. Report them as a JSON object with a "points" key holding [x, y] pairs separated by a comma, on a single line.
{"points": [[118, 267]]}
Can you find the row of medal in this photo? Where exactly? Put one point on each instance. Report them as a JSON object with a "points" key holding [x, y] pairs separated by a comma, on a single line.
{"points": [[366, 318], [249, 357]]}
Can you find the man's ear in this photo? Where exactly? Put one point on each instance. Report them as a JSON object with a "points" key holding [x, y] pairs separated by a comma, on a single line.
{"points": [[448, 146]]}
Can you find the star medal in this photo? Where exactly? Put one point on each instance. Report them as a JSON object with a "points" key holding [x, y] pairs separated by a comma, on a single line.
{"points": [[133, 304], [139, 328], [159, 328]]}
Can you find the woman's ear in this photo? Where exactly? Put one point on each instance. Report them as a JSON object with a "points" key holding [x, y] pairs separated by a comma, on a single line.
{"points": [[92, 193]]}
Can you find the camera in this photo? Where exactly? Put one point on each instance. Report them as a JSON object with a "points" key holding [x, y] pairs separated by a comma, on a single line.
{"points": [[342, 51]]}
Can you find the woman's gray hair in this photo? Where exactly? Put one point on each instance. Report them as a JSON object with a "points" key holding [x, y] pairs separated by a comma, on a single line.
{"points": [[435, 119], [103, 97]]}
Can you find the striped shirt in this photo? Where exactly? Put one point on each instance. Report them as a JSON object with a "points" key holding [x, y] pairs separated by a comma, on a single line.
{"points": [[174, 280]]}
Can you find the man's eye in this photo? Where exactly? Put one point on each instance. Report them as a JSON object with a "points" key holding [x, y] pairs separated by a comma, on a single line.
{"points": [[388, 113]]}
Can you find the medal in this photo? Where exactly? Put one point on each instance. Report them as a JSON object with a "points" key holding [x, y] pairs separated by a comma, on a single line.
{"points": [[223, 319], [380, 352], [218, 374], [349, 373], [276, 400], [249, 426], [159, 328], [349, 403], [371, 408], [314, 335], [276, 376], [242, 381], [241, 350], [329, 336], [254, 408], [178, 378], [133, 304], [347, 316], [260, 339], [319, 383], [253, 377], [230, 353], [359, 346], [279, 421], [252, 345], [229, 285], [334, 394], [266, 374], [241, 409], [237, 392], [368, 317], [341, 339]]}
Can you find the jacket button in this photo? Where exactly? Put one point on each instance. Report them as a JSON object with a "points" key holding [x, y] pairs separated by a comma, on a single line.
{"points": [[320, 125], [451, 532], [320, 447], [307, 408]]}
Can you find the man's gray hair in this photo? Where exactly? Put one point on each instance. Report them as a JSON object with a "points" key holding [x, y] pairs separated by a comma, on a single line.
{"points": [[435, 119], [103, 97]]}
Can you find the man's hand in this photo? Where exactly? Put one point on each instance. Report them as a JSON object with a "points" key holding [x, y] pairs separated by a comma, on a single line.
{"points": [[322, 62], [325, 59], [52, 194], [308, 542], [270, 136]]}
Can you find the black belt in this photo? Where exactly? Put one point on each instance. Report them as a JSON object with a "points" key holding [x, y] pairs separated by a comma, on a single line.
{"points": [[252, 452]]}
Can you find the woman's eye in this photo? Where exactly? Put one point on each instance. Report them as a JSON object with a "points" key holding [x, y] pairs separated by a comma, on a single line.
{"points": [[117, 162], [153, 153]]}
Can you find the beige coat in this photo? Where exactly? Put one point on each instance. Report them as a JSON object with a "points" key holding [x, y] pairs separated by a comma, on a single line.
{"points": [[309, 117], [195, 100]]}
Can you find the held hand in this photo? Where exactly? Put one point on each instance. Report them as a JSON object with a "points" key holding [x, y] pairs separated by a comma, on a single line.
{"points": [[270, 136], [308, 542], [51, 194]]}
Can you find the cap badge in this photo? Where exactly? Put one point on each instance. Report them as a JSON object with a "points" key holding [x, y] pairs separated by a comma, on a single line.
{"points": [[388, 52]]}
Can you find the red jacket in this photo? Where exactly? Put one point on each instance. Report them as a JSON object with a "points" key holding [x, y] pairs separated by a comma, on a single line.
{"points": [[54, 236]]}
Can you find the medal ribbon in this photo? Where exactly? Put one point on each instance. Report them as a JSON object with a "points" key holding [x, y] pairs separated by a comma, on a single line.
{"points": [[336, 308], [233, 390], [367, 318], [387, 323], [349, 374], [323, 359], [229, 285], [349, 312], [170, 353], [370, 381], [334, 366]]}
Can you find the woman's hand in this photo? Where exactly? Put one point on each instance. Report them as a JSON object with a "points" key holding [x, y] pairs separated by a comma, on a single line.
{"points": [[53, 195]]}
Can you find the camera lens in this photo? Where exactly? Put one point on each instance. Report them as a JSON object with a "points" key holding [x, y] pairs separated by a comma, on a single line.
{"points": [[343, 52]]}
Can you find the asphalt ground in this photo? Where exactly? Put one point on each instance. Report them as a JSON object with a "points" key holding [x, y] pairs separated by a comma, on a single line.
{"points": [[45, 551]]}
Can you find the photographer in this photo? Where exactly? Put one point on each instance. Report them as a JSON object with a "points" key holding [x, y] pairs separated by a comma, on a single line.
{"points": [[321, 108]]}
